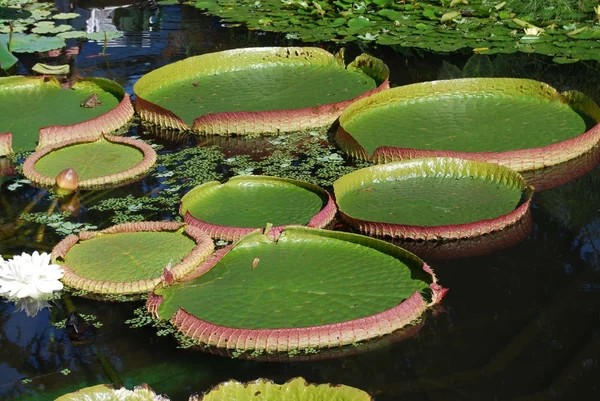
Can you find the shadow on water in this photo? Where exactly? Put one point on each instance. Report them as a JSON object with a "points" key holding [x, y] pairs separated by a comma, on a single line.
{"points": [[521, 323]]}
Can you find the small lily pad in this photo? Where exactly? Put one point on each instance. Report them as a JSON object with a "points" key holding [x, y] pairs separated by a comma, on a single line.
{"points": [[99, 36], [135, 256], [47, 69], [62, 16], [432, 199], [241, 205], [27, 43], [99, 162], [296, 389]]}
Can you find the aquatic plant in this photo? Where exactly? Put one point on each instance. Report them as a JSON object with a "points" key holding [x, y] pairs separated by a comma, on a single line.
{"points": [[117, 160], [137, 256], [477, 25], [476, 118], [432, 199], [296, 389], [29, 276], [283, 90], [245, 203], [331, 306], [35, 119]]}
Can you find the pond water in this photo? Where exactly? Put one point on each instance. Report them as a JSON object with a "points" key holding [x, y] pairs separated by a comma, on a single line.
{"points": [[519, 323]]}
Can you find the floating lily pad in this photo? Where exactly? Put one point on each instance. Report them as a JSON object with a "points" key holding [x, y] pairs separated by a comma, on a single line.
{"points": [[29, 43], [256, 90], [432, 199], [245, 203], [135, 256], [307, 290], [519, 123], [296, 389], [563, 173], [103, 392], [98, 162], [40, 105], [470, 247]]}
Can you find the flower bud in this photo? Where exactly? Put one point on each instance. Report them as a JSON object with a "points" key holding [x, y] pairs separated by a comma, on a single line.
{"points": [[67, 179]]}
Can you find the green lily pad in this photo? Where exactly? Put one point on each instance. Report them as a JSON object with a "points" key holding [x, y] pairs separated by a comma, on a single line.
{"points": [[47, 69], [308, 289], [432, 199], [296, 389], [135, 256], [104, 35], [478, 118], [216, 208], [98, 162], [40, 105], [256, 90], [27, 43], [66, 16]]}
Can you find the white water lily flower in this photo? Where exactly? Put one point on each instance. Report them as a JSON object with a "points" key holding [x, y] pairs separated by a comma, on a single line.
{"points": [[29, 276], [533, 31]]}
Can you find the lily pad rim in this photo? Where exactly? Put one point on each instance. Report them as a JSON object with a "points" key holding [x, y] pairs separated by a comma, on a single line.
{"points": [[148, 160], [302, 381], [441, 232], [234, 233], [107, 122], [154, 113], [202, 250], [290, 339], [519, 160]]}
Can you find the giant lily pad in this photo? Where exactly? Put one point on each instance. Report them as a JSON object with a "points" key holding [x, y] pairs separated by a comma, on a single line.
{"points": [[470, 247], [306, 290], [40, 105], [522, 124], [244, 203], [98, 162], [256, 90], [432, 199], [563, 173], [135, 256], [296, 389]]}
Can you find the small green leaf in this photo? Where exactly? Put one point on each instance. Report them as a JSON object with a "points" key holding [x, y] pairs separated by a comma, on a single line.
{"points": [[66, 16], [7, 59], [51, 69]]}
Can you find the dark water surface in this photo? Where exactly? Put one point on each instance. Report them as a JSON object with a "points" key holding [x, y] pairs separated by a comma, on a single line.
{"points": [[519, 324]]}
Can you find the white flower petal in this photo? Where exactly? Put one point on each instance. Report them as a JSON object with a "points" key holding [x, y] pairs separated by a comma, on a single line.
{"points": [[48, 286], [28, 290]]}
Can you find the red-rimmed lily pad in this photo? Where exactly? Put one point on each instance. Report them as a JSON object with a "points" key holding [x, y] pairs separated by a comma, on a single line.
{"points": [[296, 389], [135, 257], [256, 90], [432, 198], [519, 123], [306, 290], [245, 203], [563, 173], [98, 162], [40, 109], [470, 247]]}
